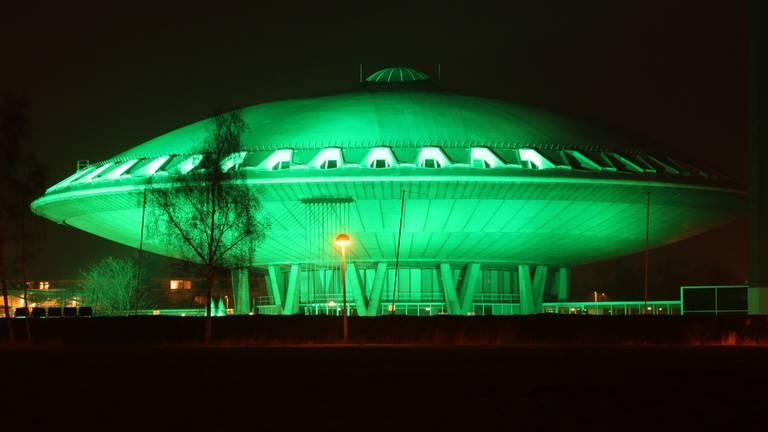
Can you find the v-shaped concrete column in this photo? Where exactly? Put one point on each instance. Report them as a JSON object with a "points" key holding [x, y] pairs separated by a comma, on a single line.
{"points": [[377, 289], [275, 286], [468, 286], [531, 291], [449, 289], [363, 305], [357, 290], [292, 291], [459, 301]]}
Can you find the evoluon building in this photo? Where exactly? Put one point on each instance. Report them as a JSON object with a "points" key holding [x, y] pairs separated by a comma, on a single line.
{"points": [[481, 205]]}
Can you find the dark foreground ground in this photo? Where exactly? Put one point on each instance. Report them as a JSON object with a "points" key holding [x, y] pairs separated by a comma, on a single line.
{"points": [[437, 330], [403, 388]]}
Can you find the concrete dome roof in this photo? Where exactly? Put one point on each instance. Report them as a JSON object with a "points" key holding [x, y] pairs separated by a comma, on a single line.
{"points": [[416, 119]]}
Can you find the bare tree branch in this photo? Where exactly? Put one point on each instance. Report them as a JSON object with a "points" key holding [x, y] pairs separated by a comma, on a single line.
{"points": [[209, 215]]}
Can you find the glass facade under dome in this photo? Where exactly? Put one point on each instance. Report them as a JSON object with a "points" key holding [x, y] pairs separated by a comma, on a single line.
{"points": [[418, 292]]}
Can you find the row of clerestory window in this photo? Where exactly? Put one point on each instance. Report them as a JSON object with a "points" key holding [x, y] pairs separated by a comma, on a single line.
{"points": [[383, 157]]}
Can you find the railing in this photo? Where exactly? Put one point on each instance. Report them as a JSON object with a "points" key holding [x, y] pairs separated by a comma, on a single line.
{"points": [[173, 312], [495, 298], [670, 307], [714, 299], [491, 304]]}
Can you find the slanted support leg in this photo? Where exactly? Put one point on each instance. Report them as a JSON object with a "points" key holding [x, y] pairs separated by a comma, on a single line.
{"points": [[378, 287], [526, 291], [240, 290], [292, 291], [275, 287], [531, 290], [561, 284], [449, 289], [468, 287], [356, 288]]}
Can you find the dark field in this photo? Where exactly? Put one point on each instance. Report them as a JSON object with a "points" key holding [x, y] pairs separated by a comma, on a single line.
{"points": [[263, 330], [401, 388]]}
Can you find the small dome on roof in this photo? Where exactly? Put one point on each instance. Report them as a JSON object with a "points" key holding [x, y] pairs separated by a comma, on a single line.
{"points": [[397, 75]]}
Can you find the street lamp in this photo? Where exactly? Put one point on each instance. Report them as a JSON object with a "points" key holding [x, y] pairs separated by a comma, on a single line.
{"points": [[596, 308], [344, 241]]}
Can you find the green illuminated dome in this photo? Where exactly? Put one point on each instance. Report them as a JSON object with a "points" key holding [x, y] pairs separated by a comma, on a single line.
{"points": [[491, 187], [363, 120], [397, 75]]}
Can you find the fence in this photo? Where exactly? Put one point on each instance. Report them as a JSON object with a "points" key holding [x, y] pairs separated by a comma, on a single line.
{"points": [[714, 300]]}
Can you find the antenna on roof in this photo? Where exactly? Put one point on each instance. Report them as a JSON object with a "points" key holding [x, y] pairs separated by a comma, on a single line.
{"points": [[361, 72]]}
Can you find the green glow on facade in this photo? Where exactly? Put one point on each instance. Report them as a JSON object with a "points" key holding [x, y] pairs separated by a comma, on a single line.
{"points": [[500, 199]]}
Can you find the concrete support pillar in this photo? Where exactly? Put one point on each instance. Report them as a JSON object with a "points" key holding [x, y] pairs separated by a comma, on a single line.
{"points": [[524, 283], [275, 287], [531, 290], [458, 300], [292, 291], [469, 284], [356, 290], [561, 284], [449, 289], [241, 290], [377, 289]]}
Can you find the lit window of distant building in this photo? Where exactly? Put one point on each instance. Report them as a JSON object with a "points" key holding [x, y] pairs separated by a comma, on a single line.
{"points": [[180, 284], [43, 285]]}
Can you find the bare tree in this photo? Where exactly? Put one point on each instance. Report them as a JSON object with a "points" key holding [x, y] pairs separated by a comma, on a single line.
{"points": [[20, 181], [110, 287], [208, 213]]}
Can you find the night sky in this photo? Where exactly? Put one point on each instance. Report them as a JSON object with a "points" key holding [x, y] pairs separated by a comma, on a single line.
{"points": [[101, 78]]}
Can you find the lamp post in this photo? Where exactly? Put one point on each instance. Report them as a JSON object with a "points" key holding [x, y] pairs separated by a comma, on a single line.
{"points": [[344, 241], [596, 308]]}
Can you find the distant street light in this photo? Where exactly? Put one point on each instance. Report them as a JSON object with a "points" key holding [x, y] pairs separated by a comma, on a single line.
{"points": [[344, 241], [597, 310]]}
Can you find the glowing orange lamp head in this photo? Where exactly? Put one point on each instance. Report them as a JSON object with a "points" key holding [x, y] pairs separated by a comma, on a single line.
{"points": [[343, 240]]}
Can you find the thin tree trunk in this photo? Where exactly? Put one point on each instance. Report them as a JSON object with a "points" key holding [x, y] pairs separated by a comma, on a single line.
{"points": [[6, 306], [8, 324], [141, 250], [208, 297], [209, 265], [24, 273]]}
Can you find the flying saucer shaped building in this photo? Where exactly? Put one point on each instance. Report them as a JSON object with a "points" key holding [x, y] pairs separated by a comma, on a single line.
{"points": [[454, 204]]}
